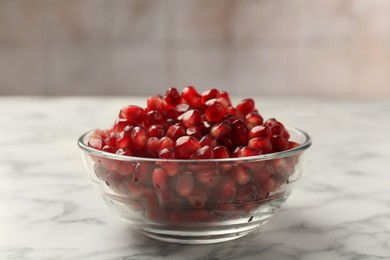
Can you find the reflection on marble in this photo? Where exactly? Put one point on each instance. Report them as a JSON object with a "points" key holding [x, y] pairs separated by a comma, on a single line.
{"points": [[49, 210]]}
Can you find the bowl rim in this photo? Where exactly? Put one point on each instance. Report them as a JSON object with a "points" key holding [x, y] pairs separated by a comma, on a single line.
{"points": [[301, 148]]}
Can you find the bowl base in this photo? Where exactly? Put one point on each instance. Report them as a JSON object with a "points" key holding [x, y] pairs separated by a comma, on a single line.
{"points": [[196, 237]]}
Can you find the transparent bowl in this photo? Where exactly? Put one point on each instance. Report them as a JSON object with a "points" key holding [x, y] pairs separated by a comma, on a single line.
{"points": [[199, 201]]}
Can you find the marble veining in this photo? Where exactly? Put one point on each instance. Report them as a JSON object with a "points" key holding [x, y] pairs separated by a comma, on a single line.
{"points": [[49, 210]]}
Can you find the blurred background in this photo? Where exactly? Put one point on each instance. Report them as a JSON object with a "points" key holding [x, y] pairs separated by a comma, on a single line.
{"points": [[326, 48]]}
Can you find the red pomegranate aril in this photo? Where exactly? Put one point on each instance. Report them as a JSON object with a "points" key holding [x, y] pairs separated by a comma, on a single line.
{"points": [[156, 103], [96, 143], [181, 108], [98, 133], [261, 143], [190, 118], [135, 190], [239, 132], [165, 142], [246, 106], [124, 140], [152, 117], [172, 168], [184, 184], [125, 168], [197, 198], [221, 152], [236, 151], [169, 122], [209, 94], [185, 146], [292, 145], [226, 96], [133, 114], [111, 140], [194, 131], [253, 119], [215, 112], [120, 124], [139, 137], [260, 131], [225, 192], [175, 131], [160, 179], [228, 142], [208, 140], [240, 175], [172, 97], [156, 131], [192, 97], [224, 102], [221, 130], [248, 151], [277, 130], [205, 152], [272, 122], [279, 143], [246, 193], [208, 177], [152, 147]]}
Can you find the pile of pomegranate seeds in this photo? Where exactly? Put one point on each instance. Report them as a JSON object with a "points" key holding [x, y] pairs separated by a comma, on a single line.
{"points": [[192, 126]]}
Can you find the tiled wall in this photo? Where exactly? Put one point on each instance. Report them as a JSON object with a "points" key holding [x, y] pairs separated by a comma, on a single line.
{"points": [[250, 47]]}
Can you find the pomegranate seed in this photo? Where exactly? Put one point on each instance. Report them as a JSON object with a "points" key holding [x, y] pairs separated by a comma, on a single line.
{"points": [[231, 111], [228, 142], [261, 143], [260, 131], [172, 97], [125, 168], [165, 142], [184, 184], [172, 168], [120, 124], [248, 151], [215, 112], [221, 152], [175, 131], [197, 198], [152, 147], [226, 96], [192, 97], [111, 140], [139, 137], [190, 118], [152, 117], [208, 140], [279, 143], [221, 130], [205, 152], [225, 191], [239, 132], [156, 131], [99, 134], [209, 94], [160, 179], [246, 193], [253, 119], [208, 177], [224, 102], [194, 131], [169, 122], [156, 103], [96, 143], [246, 106], [133, 114], [181, 108], [236, 151], [240, 175], [185, 146], [292, 145], [134, 190], [124, 140]]}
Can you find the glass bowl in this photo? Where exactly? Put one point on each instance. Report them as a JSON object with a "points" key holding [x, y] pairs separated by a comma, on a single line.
{"points": [[196, 201]]}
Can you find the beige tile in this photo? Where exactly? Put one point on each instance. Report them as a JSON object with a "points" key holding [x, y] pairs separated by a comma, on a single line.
{"points": [[137, 20], [199, 21], [325, 72], [137, 71], [21, 72], [76, 71], [70, 22], [21, 22], [203, 68], [325, 23], [269, 21], [262, 71], [372, 78], [371, 21]]}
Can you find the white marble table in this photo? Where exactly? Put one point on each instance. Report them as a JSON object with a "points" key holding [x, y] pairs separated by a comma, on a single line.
{"points": [[49, 210]]}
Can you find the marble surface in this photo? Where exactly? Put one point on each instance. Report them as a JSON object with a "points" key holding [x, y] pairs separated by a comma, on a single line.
{"points": [[49, 210]]}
